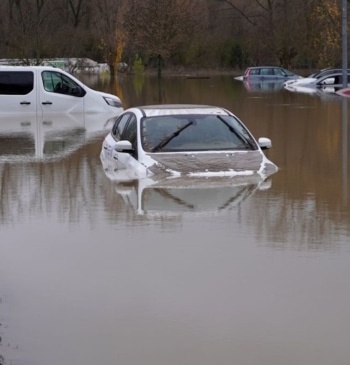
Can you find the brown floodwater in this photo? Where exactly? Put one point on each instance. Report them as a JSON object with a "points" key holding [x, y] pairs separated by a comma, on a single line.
{"points": [[93, 271]]}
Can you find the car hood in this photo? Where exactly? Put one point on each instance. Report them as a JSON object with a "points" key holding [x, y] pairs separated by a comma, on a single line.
{"points": [[213, 163], [301, 81]]}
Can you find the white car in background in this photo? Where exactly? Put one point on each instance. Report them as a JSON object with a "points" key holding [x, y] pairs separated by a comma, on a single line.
{"points": [[329, 83], [315, 76]]}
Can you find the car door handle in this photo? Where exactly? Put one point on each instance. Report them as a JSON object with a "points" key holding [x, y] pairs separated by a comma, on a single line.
{"points": [[25, 102], [46, 103]]}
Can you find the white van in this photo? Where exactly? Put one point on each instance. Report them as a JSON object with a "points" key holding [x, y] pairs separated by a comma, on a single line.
{"points": [[46, 89]]}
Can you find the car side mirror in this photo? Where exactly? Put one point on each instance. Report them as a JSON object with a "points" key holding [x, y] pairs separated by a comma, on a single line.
{"points": [[123, 146], [264, 143]]}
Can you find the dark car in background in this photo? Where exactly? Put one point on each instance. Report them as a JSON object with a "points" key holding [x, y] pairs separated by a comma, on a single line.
{"points": [[267, 73]]}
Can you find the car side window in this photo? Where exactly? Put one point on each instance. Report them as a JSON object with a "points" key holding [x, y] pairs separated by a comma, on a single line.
{"points": [[330, 80], [278, 72], [266, 71], [119, 125], [130, 134], [130, 131], [16, 82], [58, 83]]}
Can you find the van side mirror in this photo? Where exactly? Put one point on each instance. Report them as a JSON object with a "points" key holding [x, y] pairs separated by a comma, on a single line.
{"points": [[78, 91]]}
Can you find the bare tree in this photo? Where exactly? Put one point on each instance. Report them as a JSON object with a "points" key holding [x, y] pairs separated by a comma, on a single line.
{"points": [[160, 27], [73, 12], [299, 32], [273, 27], [326, 38], [109, 38], [30, 34], [73, 25]]}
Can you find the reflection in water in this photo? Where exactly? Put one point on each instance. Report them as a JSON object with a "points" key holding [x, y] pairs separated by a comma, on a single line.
{"points": [[43, 164], [181, 196], [345, 148], [264, 86], [47, 137]]}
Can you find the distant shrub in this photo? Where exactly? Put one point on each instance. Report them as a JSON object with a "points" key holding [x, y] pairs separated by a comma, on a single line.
{"points": [[138, 66], [233, 54]]}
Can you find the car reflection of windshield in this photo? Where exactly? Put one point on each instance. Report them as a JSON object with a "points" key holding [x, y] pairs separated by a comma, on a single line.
{"points": [[168, 196], [184, 195], [199, 133], [191, 200]]}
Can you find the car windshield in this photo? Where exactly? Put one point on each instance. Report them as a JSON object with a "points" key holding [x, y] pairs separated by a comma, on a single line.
{"points": [[175, 133]]}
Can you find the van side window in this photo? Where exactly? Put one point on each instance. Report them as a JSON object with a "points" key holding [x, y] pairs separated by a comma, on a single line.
{"points": [[119, 125], [58, 83], [16, 82]]}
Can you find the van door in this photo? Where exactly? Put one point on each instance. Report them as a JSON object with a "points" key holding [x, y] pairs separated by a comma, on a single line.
{"points": [[58, 93], [17, 92]]}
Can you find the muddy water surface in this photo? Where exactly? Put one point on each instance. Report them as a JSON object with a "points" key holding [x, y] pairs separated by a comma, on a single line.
{"points": [[93, 271]]}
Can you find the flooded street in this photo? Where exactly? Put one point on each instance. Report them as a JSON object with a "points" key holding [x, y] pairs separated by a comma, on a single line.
{"points": [[93, 271]]}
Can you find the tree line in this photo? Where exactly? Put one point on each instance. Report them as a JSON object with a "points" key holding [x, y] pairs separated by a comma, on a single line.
{"points": [[175, 33]]}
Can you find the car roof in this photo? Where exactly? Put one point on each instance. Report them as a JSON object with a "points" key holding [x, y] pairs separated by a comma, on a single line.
{"points": [[264, 67], [332, 74], [26, 68], [181, 109], [329, 70]]}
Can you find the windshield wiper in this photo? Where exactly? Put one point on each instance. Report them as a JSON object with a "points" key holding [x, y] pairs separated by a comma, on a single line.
{"points": [[245, 140], [168, 138]]}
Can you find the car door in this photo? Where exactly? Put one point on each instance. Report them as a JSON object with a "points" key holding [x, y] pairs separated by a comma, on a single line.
{"points": [[278, 74], [59, 94], [267, 73], [128, 159], [110, 155]]}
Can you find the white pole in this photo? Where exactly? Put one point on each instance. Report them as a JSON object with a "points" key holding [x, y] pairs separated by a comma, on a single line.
{"points": [[345, 42]]}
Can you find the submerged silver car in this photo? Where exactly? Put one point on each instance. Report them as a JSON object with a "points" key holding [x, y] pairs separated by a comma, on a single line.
{"points": [[183, 140], [262, 73]]}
